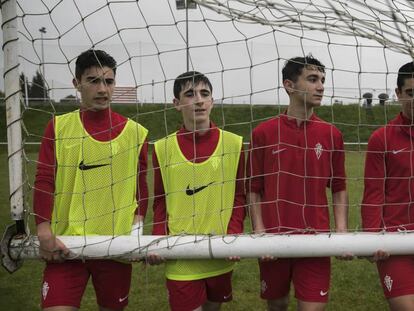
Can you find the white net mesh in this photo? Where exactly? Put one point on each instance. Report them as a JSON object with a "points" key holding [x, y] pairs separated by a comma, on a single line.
{"points": [[240, 45]]}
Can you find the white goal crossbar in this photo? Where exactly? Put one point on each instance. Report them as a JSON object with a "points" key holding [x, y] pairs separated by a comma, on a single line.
{"points": [[204, 246]]}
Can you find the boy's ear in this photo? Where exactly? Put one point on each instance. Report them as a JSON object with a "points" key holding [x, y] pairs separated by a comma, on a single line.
{"points": [[397, 92], [76, 84], [288, 85], [176, 103]]}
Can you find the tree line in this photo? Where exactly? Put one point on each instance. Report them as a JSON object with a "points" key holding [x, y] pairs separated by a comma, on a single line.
{"points": [[37, 89]]}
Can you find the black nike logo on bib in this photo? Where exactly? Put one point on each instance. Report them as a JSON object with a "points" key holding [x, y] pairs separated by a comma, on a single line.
{"points": [[84, 167], [193, 191]]}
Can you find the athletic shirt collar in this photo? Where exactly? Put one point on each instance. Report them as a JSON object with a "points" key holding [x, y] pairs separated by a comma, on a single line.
{"points": [[291, 121], [99, 116], [189, 135], [104, 124], [405, 123]]}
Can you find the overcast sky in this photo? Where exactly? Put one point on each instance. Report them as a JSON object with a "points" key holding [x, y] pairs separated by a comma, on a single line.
{"points": [[241, 57]]}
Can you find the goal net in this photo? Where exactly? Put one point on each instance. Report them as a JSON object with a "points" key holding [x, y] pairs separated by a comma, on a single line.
{"points": [[241, 46]]}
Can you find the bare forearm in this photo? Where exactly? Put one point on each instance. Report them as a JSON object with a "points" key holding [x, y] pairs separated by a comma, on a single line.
{"points": [[44, 230], [44, 185], [253, 200], [340, 207]]}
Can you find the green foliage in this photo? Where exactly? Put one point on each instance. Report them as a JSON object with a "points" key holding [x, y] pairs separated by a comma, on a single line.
{"points": [[356, 123], [68, 100], [38, 89], [24, 84]]}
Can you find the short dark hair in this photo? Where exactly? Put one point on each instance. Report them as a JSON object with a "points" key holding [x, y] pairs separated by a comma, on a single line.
{"points": [[193, 77], [93, 58], [294, 66], [406, 72]]}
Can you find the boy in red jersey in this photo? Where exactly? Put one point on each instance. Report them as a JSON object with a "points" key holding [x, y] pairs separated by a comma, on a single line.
{"points": [[198, 189], [91, 180], [389, 191], [293, 158]]}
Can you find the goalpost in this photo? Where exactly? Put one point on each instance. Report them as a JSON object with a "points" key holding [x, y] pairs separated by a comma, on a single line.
{"points": [[241, 46]]}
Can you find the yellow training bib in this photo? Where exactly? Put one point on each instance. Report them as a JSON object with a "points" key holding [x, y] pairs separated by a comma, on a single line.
{"points": [[199, 198], [96, 181]]}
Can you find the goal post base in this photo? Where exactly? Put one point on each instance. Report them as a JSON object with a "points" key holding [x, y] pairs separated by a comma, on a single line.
{"points": [[7, 261]]}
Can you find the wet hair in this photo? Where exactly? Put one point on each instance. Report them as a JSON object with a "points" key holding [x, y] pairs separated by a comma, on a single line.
{"points": [[93, 58], [406, 72], [294, 66], [193, 77]]}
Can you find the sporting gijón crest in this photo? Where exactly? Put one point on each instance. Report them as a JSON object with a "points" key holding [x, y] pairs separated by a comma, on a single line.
{"points": [[318, 150]]}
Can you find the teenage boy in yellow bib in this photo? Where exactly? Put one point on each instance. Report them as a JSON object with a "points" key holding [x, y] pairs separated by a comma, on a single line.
{"points": [[198, 189], [91, 180]]}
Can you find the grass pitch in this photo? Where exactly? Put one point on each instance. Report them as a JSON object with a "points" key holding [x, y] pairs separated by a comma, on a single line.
{"points": [[354, 285]]}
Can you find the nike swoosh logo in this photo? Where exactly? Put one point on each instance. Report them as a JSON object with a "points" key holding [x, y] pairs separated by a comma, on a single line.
{"points": [[71, 146], [322, 293], [278, 150], [398, 151], [189, 191], [227, 297], [122, 299], [84, 167]]}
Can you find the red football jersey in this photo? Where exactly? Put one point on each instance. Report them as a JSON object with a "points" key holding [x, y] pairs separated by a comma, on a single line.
{"points": [[389, 184], [291, 166]]}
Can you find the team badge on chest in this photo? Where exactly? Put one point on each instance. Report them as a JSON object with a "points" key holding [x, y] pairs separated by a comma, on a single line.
{"points": [[318, 150], [388, 282], [45, 290]]}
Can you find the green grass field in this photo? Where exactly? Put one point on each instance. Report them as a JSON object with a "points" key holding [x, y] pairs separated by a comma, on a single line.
{"points": [[355, 285]]}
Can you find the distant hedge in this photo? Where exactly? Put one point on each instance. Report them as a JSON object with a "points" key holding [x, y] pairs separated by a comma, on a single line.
{"points": [[355, 122]]}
